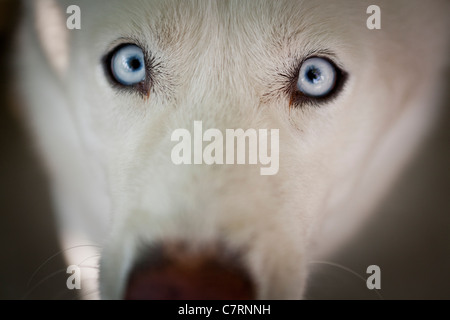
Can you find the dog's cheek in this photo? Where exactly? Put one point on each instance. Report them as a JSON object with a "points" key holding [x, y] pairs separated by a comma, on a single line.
{"points": [[52, 33]]}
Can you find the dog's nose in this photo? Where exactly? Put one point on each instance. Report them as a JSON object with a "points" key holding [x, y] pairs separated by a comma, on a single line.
{"points": [[179, 275]]}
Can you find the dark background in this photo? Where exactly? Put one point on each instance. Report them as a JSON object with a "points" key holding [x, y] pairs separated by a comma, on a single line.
{"points": [[409, 238]]}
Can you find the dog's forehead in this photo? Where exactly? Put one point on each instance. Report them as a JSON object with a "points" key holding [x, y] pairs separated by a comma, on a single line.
{"points": [[170, 23]]}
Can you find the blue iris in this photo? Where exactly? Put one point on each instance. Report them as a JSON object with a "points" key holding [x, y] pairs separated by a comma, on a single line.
{"points": [[317, 77], [128, 65]]}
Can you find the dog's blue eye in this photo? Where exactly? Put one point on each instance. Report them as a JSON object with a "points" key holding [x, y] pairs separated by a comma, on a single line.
{"points": [[317, 77], [128, 65]]}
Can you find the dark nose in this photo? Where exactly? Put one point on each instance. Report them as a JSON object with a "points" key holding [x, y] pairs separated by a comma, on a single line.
{"points": [[174, 273]]}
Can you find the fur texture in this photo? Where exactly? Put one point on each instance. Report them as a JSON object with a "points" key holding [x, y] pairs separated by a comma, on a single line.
{"points": [[222, 62]]}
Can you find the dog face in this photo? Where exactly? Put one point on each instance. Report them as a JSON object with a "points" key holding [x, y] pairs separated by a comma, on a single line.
{"points": [[165, 228]]}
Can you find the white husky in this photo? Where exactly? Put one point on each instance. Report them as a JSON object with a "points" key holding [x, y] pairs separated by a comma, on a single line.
{"points": [[350, 104]]}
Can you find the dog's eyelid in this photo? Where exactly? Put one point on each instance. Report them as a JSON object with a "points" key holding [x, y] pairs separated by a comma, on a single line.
{"points": [[323, 53], [124, 40]]}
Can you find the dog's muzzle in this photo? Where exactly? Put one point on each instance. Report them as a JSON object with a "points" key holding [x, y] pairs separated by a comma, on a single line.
{"points": [[175, 273]]}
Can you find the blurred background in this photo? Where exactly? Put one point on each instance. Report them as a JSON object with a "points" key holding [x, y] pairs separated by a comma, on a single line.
{"points": [[409, 237]]}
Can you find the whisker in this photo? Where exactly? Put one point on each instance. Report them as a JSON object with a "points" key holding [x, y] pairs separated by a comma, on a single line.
{"points": [[55, 255], [90, 267], [93, 256], [337, 265], [53, 274], [43, 281]]}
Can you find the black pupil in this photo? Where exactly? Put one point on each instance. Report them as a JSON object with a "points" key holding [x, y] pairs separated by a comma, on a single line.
{"points": [[314, 74], [134, 63]]}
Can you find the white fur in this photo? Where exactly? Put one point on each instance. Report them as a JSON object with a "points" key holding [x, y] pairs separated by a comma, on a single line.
{"points": [[108, 153]]}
